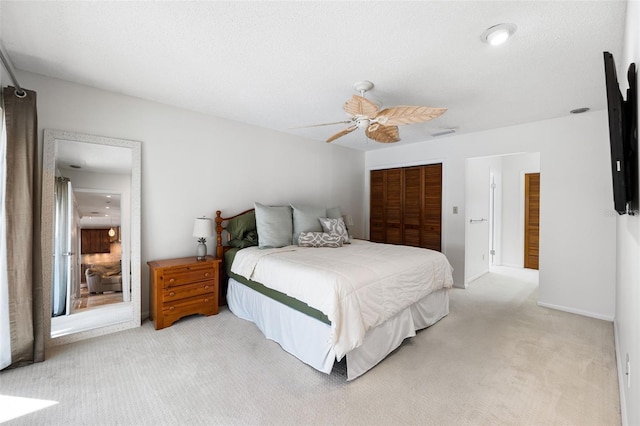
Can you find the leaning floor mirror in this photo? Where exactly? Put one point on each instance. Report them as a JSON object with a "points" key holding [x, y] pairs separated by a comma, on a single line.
{"points": [[90, 235]]}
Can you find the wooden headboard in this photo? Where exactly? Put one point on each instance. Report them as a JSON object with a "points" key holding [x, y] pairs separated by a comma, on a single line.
{"points": [[220, 249]]}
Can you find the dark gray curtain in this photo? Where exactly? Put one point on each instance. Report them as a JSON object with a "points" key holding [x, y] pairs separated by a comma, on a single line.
{"points": [[22, 225]]}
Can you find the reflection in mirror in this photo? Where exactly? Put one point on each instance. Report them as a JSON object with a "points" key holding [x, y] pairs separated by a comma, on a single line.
{"points": [[91, 229]]}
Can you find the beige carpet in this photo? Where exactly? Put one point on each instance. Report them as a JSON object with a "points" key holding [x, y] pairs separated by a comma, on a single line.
{"points": [[496, 359]]}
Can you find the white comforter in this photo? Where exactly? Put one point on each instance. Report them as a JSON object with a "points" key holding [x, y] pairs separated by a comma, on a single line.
{"points": [[358, 286]]}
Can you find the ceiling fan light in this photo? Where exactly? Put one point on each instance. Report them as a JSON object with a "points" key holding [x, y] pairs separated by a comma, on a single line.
{"points": [[498, 34], [362, 123]]}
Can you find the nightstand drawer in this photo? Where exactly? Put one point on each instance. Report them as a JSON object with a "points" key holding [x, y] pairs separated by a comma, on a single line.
{"points": [[199, 304], [187, 275], [188, 290]]}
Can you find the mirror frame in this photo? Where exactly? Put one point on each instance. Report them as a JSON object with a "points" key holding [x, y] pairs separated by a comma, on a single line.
{"points": [[47, 235]]}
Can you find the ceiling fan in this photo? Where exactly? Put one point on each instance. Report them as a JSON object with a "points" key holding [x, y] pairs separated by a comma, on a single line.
{"points": [[380, 125]]}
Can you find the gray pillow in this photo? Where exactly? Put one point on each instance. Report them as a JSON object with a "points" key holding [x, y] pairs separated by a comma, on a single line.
{"points": [[305, 219], [333, 212], [319, 239], [335, 227], [274, 224]]}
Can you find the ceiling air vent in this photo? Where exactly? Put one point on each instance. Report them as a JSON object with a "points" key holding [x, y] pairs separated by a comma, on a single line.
{"points": [[442, 132]]}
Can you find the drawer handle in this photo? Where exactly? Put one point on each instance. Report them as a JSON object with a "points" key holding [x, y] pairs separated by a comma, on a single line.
{"points": [[206, 300], [206, 274], [172, 280], [172, 308], [172, 294], [206, 287]]}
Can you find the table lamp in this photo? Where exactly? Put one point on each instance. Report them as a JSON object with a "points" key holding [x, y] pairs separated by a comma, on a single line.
{"points": [[202, 228]]}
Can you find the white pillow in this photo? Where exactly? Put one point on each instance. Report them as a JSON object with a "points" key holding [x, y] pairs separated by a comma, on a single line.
{"points": [[335, 226], [274, 225]]}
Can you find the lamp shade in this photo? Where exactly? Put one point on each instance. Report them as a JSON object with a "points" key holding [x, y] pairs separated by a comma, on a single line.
{"points": [[202, 227]]}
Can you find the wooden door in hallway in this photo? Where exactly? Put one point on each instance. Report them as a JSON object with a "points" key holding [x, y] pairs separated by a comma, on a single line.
{"points": [[531, 219]]}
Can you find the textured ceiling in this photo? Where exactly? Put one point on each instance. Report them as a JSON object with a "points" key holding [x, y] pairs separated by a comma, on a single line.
{"points": [[283, 64]]}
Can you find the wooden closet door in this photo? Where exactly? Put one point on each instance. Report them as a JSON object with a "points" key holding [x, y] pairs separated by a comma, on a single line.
{"points": [[393, 207], [412, 213], [406, 206], [432, 207], [376, 206]]}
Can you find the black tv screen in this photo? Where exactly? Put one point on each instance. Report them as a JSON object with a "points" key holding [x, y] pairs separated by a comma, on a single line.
{"points": [[622, 138]]}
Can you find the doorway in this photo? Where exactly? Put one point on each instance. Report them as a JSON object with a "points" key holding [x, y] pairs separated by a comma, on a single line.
{"points": [[495, 212]]}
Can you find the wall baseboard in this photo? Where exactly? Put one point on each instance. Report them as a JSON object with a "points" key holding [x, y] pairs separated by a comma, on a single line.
{"points": [[475, 277], [621, 376], [511, 265], [576, 311]]}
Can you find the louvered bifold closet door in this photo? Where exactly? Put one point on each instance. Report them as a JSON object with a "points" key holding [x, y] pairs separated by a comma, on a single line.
{"points": [[413, 207], [432, 207], [406, 206], [376, 206], [393, 207]]}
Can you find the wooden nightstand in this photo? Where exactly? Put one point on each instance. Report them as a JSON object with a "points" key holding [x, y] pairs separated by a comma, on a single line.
{"points": [[181, 287]]}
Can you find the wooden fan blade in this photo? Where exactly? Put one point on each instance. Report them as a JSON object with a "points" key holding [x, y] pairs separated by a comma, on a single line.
{"points": [[384, 134], [359, 106], [408, 114], [342, 133], [323, 124]]}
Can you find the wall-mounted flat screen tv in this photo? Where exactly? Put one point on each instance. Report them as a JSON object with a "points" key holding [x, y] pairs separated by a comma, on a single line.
{"points": [[622, 137]]}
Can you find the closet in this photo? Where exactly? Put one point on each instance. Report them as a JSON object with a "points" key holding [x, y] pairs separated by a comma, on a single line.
{"points": [[406, 206]]}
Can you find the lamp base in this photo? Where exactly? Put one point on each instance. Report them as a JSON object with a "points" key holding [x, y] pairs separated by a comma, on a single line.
{"points": [[201, 251]]}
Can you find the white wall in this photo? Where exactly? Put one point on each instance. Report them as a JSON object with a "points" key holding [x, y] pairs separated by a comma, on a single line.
{"points": [[194, 164], [627, 321], [577, 236]]}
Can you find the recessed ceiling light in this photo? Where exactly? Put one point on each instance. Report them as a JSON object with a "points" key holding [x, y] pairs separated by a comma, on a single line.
{"points": [[498, 34], [579, 110]]}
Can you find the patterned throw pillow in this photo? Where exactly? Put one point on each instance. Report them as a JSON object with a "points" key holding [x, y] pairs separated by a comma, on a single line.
{"points": [[319, 239], [335, 226]]}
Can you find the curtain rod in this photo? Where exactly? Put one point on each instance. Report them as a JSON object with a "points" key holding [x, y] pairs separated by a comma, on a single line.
{"points": [[6, 63]]}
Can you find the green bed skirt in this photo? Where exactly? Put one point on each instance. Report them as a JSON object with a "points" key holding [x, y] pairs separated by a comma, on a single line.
{"points": [[273, 294]]}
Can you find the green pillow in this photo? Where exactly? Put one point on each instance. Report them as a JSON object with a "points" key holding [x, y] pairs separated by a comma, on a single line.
{"points": [[242, 243], [239, 226]]}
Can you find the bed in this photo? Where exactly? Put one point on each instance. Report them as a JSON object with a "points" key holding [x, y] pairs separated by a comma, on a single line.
{"points": [[322, 295]]}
